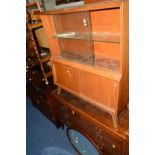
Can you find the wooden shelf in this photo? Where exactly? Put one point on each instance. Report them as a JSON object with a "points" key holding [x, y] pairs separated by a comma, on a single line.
{"points": [[102, 63], [101, 37], [107, 63], [105, 72]]}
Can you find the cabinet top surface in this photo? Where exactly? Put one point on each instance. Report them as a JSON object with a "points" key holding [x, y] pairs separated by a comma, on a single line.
{"points": [[95, 113], [95, 6]]}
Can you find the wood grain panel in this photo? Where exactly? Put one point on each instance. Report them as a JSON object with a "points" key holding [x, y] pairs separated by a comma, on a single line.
{"points": [[67, 77], [124, 47], [110, 22], [98, 89], [103, 49], [48, 24]]}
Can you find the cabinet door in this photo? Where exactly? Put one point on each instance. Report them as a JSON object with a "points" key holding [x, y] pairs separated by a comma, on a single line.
{"points": [[99, 90], [66, 77]]}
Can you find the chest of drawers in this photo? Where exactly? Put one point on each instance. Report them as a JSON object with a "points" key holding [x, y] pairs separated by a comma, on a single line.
{"points": [[93, 123]]}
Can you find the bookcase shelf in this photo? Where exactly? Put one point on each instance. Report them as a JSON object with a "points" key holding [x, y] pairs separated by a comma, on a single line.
{"points": [[104, 37]]}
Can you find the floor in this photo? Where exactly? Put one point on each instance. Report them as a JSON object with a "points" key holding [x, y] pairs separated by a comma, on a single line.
{"points": [[42, 135]]}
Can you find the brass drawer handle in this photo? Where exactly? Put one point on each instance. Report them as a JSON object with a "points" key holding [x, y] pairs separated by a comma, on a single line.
{"points": [[65, 108], [101, 146], [113, 146], [68, 72], [85, 22], [73, 112]]}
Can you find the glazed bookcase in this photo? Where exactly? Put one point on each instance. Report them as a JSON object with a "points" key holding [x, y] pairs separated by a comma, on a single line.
{"points": [[89, 53]]}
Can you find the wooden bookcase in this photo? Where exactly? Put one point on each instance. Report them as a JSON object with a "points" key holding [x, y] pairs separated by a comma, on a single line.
{"points": [[89, 48]]}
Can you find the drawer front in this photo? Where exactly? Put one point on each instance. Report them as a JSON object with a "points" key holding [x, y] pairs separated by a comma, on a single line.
{"points": [[66, 115], [107, 143], [67, 77], [98, 89]]}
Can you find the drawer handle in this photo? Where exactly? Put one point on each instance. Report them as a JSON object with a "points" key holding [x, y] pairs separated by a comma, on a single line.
{"points": [[65, 108], [73, 112], [101, 146], [85, 23], [68, 72], [113, 146]]}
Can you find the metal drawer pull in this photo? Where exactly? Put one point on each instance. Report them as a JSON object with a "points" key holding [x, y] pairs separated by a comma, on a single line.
{"points": [[113, 146], [72, 112], [65, 108], [68, 73], [85, 23]]}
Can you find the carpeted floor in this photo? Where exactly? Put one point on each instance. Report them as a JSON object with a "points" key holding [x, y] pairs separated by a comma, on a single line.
{"points": [[42, 135]]}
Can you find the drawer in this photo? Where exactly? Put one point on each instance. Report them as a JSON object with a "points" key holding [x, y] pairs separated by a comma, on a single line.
{"points": [[67, 77], [66, 115], [107, 143]]}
